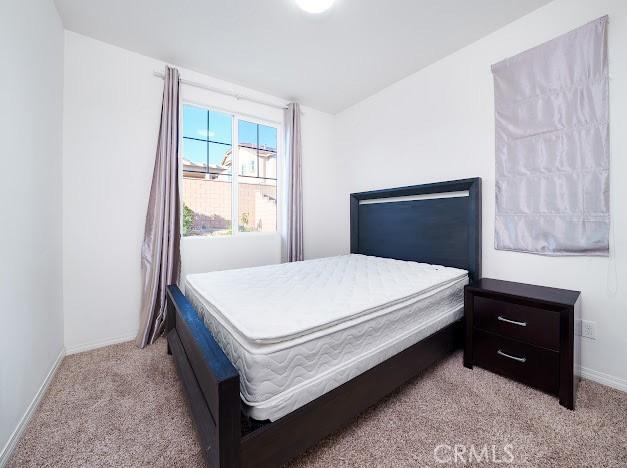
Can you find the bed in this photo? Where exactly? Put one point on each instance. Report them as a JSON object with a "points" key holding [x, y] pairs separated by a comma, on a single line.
{"points": [[262, 388]]}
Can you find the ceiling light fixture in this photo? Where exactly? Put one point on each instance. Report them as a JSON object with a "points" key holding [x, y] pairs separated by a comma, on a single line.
{"points": [[315, 6]]}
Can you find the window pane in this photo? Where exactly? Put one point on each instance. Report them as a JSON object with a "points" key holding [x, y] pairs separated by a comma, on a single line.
{"points": [[194, 122], [267, 164], [220, 127], [247, 161], [257, 205], [194, 155], [220, 158], [267, 138], [247, 134], [207, 205]]}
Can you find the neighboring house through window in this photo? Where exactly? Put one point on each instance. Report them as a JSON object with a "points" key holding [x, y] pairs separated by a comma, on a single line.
{"points": [[213, 193]]}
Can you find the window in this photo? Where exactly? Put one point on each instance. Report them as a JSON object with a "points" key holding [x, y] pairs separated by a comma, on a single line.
{"points": [[229, 173]]}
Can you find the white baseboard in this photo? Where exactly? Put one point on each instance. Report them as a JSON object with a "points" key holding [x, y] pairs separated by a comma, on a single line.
{"points": [[8, 449], [604, 379], [80, 348]]}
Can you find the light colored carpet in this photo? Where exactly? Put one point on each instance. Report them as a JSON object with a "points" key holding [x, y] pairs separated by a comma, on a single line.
{"points": [[124, 407]]}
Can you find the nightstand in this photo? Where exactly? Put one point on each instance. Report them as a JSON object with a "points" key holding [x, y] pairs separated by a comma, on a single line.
{"points": [[524, 332]]}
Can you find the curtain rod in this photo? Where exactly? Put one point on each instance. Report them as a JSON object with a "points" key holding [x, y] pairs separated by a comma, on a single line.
{"points": [[239, 97]]}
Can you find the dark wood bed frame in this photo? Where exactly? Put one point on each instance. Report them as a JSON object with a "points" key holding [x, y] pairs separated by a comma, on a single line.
{"points": [[431, 223]]}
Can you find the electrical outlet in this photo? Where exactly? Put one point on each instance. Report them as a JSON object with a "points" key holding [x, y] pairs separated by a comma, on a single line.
{"points": [[577, 327], [589, 329]]}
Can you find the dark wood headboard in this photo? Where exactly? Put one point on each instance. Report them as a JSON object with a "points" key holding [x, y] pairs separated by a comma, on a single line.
{"points": [[437, 223]]}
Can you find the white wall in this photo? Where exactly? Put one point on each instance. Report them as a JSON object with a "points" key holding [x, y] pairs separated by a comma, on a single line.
{"points": [[31, 65], [438, 124], [112, 107], [325, 200]]}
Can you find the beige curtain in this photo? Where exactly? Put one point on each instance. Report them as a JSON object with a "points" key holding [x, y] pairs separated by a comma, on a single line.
{"points": [[160, 257], [293, 249]]}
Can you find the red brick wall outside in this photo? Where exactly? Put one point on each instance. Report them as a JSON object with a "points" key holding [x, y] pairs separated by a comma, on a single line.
{"points": [[210, 201]]}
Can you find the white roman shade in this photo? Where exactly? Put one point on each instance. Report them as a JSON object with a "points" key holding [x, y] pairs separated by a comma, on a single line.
{"points": [[552, 146]]}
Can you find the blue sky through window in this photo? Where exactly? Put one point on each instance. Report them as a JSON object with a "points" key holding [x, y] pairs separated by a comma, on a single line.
{"points": [[220, 127], [217, 152], [195, 151], [247, 133], [266, 138], [194, 122], [207, 135], [207, 125]]}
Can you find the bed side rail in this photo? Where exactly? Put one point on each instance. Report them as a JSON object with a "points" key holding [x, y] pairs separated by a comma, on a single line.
{"points": [[209, 378]]}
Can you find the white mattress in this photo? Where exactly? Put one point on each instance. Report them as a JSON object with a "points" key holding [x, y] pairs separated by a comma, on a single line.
{"points": [[296, 331]]}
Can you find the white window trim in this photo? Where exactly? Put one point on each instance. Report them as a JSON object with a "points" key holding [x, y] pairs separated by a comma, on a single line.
{"points": [[235, 232]]}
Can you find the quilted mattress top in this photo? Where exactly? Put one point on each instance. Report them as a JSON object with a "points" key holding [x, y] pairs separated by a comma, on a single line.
{"points": [[276, 303]]}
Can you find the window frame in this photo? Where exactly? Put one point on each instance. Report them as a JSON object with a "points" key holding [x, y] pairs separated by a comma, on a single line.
{"points": [[236, 117]]}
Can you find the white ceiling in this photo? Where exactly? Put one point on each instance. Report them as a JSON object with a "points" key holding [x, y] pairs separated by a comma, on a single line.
{"points": [[329, 61]]}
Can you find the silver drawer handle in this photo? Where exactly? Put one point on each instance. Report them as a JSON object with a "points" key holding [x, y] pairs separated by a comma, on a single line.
{"points": [[513, 322], [509, 356]]}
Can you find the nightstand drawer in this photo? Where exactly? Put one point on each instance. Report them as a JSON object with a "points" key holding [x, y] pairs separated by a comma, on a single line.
{"points": [[530, 365], [532, 325]]}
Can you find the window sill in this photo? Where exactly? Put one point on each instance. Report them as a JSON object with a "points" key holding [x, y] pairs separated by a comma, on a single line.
{"points": [[238, 236]]}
